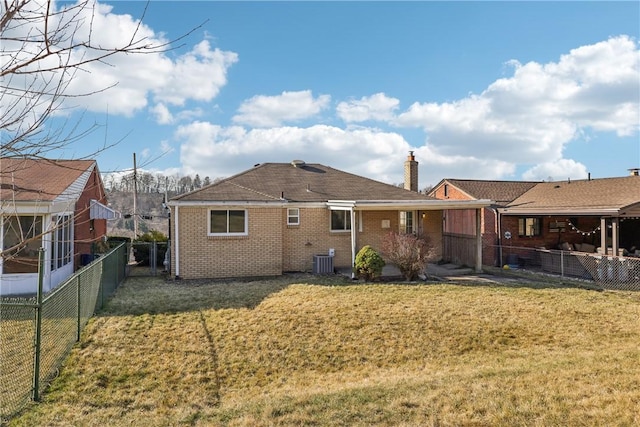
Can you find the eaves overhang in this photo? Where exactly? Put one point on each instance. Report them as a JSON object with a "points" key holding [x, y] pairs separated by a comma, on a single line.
{"points": [[613, 212], [408, 205]]}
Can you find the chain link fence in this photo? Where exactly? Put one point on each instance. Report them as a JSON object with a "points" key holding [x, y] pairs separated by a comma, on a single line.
{"points": [[148, 258], [37, 334], [605, 270]]}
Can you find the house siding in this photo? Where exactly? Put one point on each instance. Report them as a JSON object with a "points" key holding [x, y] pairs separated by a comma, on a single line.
{"points": [[257, 254]]}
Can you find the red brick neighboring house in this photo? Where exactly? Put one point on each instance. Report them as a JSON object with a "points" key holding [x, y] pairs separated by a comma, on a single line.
{"points": [[278, 217], [55, 205], [585, 215], [460, 225]]}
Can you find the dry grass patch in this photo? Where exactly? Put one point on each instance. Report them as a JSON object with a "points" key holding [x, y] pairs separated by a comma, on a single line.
{"points": [[278, 353]]}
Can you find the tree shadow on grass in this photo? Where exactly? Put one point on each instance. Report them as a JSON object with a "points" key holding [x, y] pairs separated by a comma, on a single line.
{"points": [[157, 295]]}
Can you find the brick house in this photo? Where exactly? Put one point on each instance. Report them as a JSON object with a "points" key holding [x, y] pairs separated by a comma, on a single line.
{"points": [[277, 217], [586, 215], [459, 225], [55, 205]]}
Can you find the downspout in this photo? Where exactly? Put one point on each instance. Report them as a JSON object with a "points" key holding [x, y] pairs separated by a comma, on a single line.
{"points": [[176, 241], [353, 241], [499, 241]]}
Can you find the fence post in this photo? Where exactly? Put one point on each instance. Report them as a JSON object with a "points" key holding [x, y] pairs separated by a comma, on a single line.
{"points": [[562, 263], [79, 312], [38, 337]]}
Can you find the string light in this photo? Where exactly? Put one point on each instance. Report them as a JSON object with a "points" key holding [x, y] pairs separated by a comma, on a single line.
{"points": [[584, 233]]}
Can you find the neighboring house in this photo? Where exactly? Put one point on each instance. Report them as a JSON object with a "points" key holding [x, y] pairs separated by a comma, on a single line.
{"points": [[460, 224], [585, 215], [55, 205], [278, 217]]}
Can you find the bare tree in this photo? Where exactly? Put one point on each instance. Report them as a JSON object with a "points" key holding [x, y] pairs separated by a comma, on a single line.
{"points": [[43, 46]]}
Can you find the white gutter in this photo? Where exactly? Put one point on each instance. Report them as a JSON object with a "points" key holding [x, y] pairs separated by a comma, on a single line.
{"points": [[566, 211], [276, 203], [424, 205]]}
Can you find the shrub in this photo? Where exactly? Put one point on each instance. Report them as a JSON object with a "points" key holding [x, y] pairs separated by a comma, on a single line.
{"points": [[369, 263], [408, 252]]}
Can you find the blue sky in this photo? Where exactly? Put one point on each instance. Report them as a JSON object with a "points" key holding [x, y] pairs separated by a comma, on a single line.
{"points": [[481, 90]]}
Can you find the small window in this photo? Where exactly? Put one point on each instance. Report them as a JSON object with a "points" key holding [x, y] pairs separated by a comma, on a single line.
{"points": [[227, 222], [293, 216], [528, 227], [340, 220], [406, 222]]}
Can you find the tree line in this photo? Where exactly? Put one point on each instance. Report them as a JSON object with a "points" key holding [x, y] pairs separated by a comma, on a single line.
{"points": [[148, 182]]}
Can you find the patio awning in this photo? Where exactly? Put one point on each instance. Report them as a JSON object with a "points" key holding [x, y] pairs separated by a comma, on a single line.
{"points": [[100, 211]]}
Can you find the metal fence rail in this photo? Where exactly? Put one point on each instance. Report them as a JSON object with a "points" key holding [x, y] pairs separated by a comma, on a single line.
{"points": [[605, 270], [37, 334]]}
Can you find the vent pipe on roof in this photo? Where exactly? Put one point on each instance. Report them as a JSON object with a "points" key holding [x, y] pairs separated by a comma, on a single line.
{"points": [[297, 163], [634, 171], [411, 173]]}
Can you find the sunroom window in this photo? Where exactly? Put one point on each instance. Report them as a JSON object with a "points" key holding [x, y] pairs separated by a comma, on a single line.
{"points": [[21, 241]]}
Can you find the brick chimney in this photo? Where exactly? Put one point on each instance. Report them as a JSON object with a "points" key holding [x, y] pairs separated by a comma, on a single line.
{"points": [[411, 173]]}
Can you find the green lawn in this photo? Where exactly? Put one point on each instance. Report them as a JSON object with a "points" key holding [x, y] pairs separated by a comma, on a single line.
{"points": [[293, 352]]}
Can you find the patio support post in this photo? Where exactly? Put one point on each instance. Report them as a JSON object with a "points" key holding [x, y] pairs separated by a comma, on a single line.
{"points": [[614, 236], [353, 241], [603, 235], [479, 240]]}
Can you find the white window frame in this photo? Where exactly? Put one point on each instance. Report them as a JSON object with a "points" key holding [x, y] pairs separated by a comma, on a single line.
{"points": [[227, 233], [347, 221], [406, 222], [293, 216], [62, 241]]}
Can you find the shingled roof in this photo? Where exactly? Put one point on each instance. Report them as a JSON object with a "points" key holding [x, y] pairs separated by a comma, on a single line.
{"points": [[33, 180], [301, 182], [501, 192], [616, 196]]}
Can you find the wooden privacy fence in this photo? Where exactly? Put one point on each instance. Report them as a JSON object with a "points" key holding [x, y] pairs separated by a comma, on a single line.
{"points": [[459, 249]]}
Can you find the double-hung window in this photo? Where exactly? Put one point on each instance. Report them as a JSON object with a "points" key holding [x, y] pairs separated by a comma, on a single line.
{"points": [[227, 222], [340, 220], [293, 216]]}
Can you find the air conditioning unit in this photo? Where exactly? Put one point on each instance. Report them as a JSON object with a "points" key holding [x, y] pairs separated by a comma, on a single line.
{"points": [[322, 264]]}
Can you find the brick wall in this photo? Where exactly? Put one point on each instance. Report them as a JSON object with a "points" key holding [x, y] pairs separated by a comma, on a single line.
{"points": [[86, 232], [257, 254], [551, 240], [312, 237]]}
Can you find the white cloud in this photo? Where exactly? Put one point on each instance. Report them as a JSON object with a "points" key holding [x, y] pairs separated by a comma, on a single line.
{"points": [[374, 107], [267, 111], [161, 114], [530, 117], [558, 170], [124, 84], [214, 150]]}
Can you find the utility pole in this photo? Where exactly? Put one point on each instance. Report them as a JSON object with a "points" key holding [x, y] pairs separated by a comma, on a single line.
{"points": [[135, 198]]}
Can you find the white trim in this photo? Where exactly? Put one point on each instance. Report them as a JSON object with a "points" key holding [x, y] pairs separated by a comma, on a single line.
{"points": [[297, 216], [246, 223], [407, 205]]}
